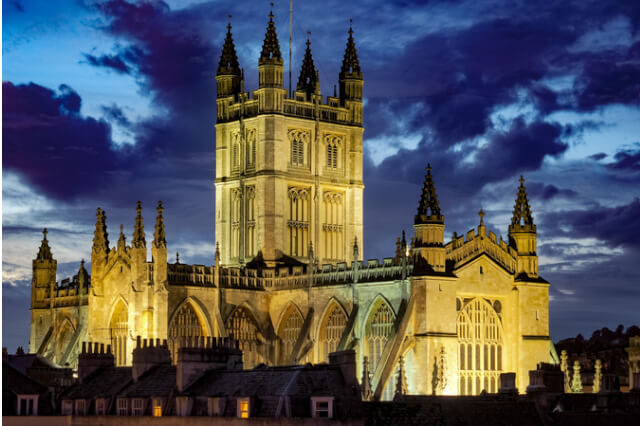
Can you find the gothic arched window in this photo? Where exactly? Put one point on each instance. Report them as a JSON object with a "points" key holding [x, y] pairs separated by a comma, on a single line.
{"points": [[377, 332], [480, 347], [298, 138], [242, 327], [184, 328], [331, 330], [288, 333], [118, 329]]}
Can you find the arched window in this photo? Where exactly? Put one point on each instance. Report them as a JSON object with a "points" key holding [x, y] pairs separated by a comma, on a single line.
{"points": [[242, 327], [480, 346], [377, 332], [118, 329], [332, 155], [298, 222], [288, 333], [333, 225], [185, 327], [298, 138], [236, 156], [331, 330], [251, 148]]}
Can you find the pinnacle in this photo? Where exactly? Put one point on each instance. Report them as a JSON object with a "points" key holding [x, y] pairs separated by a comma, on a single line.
{"points": [[159, 238], [308, 75], [271, 46], [521, 211], [44, 253], [428, 208], [350, 62], [228, 64]]}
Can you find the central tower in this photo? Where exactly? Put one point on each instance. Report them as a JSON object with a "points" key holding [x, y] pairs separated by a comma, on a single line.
{"points": [[288, 171]]}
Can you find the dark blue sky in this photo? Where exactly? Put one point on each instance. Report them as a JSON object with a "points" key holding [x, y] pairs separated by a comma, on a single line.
{"points": [[109, 102]]}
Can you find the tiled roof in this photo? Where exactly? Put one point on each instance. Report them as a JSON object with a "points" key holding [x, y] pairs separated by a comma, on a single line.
{"points": [[307, 380], [18, 383], [106, 382], [158, 381]]}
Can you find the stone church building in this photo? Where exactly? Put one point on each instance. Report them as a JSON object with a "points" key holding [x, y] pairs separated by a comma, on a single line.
{"points": [[289, 281]]}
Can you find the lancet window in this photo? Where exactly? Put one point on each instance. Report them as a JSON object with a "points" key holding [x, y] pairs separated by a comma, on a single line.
{"points": [[236, 208], [331, 332], [242, 327], [251, 221], [235, 151], [251, 148], [377, 332], [298, 139], [298, 223], [118, 328], [290, 327], [332, 143], [185, 327], [480, 346], [333, 226]]}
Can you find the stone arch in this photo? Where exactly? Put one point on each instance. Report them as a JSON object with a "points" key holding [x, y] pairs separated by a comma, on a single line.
{"points": [[188, 322], [242, 326], [288, 330], [377, 330], [65, 332], [118, 330], [480, 346], [330, 329]]}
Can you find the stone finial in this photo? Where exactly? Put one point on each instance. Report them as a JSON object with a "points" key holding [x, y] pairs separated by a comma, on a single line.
{"points": [[139, 240], [522, 218], [271, 47], [576, 382], [356, 253], [481, 214], [100, 236], [177, 258], [122, 241], [401, 384], [159, 237], [367, 393], [308, 74], [228, 64], [428, 208], [597, 377], [44, 252], [350, 63], [217, 255]]}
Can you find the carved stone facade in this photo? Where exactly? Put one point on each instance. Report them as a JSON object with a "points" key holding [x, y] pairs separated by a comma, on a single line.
{"points": [[289, 282]]}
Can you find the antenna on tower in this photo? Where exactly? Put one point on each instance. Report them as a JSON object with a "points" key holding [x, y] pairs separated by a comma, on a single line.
{"points": [[290, 41]]}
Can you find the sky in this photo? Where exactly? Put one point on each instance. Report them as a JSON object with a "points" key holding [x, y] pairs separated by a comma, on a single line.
{"points": [[105, 103]]}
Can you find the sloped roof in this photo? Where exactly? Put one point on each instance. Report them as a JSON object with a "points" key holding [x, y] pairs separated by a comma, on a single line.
{"points": [[306, 380], [15, 381], [23, 362], [159, 380], [105, 382]]}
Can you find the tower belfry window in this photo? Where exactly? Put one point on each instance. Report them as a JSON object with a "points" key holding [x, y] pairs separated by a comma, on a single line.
{"points": [[298, 139]]}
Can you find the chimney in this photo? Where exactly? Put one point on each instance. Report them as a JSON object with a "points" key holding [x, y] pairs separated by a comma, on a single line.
{"points": [[146, 355], [346, 360], [205, 354], [508, 384], [92, 358]]}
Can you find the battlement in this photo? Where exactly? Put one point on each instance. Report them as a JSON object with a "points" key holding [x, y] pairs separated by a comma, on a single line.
{"points": [[179, 273], [461, 250]]}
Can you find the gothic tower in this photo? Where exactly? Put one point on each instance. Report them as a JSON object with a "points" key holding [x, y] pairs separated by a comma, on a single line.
{"points": [[42, 285], [288, 171], [429, 227]]}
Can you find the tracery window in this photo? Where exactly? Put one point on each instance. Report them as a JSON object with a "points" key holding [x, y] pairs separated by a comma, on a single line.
{"points": [[236, 206], [480, 346], [377, 332], [333, 226], [118, 328], [331, 331], [298, 139], [242, 327], [298, 222], [290, 327], [251, 148], [332, 143], [251, 221], [185, 327]]}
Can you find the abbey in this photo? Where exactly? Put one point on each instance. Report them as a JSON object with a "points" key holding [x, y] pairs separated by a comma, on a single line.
{"points": [[289, 281]]}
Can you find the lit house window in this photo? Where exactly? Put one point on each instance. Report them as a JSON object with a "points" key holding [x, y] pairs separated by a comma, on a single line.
{"points": [[244, 408], [100, 404], [322, 406], [138, 407], [123, 407]]}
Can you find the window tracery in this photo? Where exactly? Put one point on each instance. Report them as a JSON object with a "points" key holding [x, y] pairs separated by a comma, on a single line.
{"points": [[377, 333], [290, 327], [298, 139], [298, 222], [242, 327], [331, 331], [333, 226], [184, 328], [118, 328]]}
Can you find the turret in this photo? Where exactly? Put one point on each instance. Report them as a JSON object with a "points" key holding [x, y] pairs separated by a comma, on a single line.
{"points": [[44, 273], [522, 234], [271, 90], [228, 76], [100, 250], [159, 249], [429, 227], [138, 246], [83, 278], [351, 81], [308, 79]]}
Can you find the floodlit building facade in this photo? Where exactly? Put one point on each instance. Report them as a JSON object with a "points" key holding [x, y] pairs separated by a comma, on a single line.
{"points": [[289, 281]]}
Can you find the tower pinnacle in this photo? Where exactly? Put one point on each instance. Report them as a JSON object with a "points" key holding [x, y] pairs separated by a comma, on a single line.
{"points": [[350, 62], [138, 231], [522, 218], [100, 236], [429, 209], [228, 64], [271, 46], [159, 238], [308, 76], [44, 253]]}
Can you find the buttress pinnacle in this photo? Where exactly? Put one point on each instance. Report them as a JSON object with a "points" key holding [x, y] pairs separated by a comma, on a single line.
{"points": [[159, 238], [308, 76], [138, 230]]}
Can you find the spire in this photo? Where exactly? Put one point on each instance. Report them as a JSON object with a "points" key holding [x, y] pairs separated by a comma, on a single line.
{"points": [[271, 46], [308, 75], [522, 217], [138, 230], [429, 209], [100, 236], [122, 241], [159, 239], [367, 393], [44, 253], [228, 64], [401, 384], [350, 62]]}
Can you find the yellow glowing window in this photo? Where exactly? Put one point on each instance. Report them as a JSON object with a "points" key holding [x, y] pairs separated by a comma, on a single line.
{"points": [[157, 411], [244, 409]]}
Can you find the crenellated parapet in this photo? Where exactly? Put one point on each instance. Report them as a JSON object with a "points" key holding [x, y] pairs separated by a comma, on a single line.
{"points": [[460, 250]]}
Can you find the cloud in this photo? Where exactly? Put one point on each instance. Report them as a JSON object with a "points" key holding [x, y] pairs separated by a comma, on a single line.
{"points": [[113, 62], [599, 156], [17, 5], [628, 159]]}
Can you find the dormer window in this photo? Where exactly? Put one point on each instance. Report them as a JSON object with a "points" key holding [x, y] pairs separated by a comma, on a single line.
{"points": [[322, 407], [244, 408]]}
